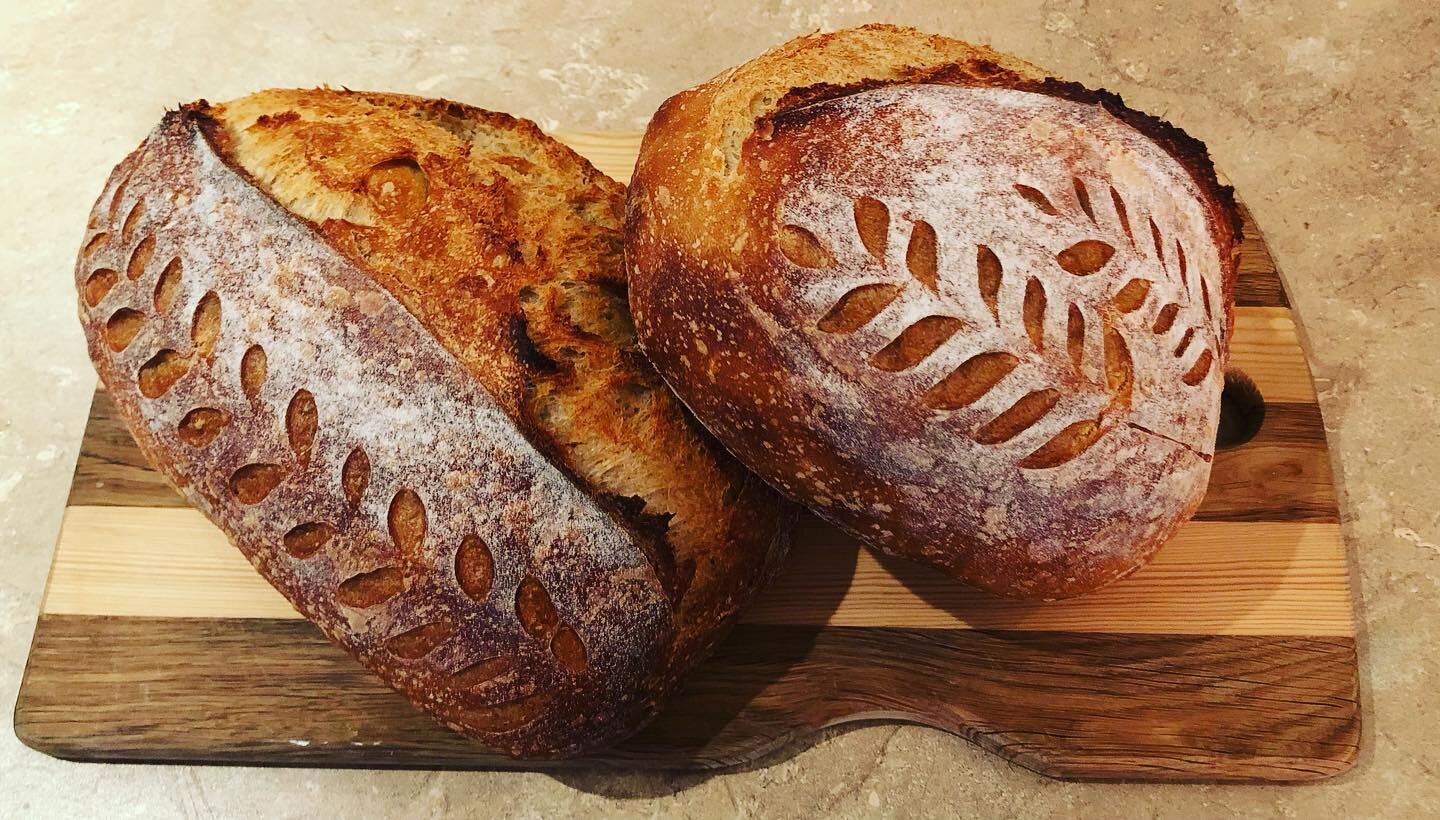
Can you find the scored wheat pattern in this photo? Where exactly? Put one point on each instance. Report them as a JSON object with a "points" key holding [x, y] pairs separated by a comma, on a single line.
{"points": [[978, 375], [126, 300]]}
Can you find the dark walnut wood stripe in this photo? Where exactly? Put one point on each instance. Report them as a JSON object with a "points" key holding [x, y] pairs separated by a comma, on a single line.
{"points": [[1283, 474], [1257, 283], [1175, 708], [111, 471]]}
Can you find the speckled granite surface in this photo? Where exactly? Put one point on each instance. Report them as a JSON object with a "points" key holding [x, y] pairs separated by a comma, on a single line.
{"points": [[1322, 112]]}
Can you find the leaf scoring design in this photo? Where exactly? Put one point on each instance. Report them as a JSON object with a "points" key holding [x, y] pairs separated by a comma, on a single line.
{"points": [[972, 379], [1198, 371], [1083, 195], [1132, 296], [99, 285], [132, 221], [1021, 416], [1034, 312], [1067, 444], [978, 375], [1075, 336], [922, 256], [801, 247], [167, 287], [916, 342], [122, 327], [990, 274], [1122, 214], [1036, 198], [140, 258], [1166, 319], [1184, 342], [856, 308], [1119, 369], [872, 222], [416, 643], [205, 325], [1085, 257]]}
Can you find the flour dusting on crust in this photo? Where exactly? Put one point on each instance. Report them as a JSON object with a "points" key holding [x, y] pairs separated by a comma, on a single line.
{"points": [[977, 316], [359, 466]]}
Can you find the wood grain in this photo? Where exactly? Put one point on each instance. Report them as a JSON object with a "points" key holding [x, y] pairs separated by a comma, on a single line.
{"points": [[1230, 658], [111, 469], [1100, 707], [1243, 578], [613, 152], [1267, 349], [1258, 283]]}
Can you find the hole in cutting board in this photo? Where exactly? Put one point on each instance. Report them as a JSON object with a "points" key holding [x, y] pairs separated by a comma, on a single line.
{"points": [[1242, 411]]}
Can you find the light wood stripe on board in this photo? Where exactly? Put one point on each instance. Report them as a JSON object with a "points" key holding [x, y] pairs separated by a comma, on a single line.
{"points": [[612, 152], [1222, 578], [1267, 349]]}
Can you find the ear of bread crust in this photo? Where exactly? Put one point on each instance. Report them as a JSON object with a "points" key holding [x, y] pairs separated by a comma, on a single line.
{"points": [[324, 299]]}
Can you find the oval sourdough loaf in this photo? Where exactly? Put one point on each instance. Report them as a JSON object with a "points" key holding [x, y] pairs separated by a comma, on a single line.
{"points": [[383, 343], [973, 314]]}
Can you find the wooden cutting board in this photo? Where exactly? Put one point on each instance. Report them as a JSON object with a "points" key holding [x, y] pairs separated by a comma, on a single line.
{"points": [[1230, 658]]}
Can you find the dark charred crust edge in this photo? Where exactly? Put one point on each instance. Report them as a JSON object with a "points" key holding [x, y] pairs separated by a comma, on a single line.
{"points": [[1187, 150]]}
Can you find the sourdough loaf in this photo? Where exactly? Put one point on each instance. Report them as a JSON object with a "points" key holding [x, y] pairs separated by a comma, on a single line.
{"points": [[975, 315], [383, 343]]}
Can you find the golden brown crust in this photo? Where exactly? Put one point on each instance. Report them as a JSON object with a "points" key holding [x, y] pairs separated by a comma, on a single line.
{"points": [[840, 251], [348, 322]]}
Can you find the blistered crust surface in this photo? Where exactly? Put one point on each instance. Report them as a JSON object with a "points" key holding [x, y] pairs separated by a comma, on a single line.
{"points": [[979, 325], [554, 586]]}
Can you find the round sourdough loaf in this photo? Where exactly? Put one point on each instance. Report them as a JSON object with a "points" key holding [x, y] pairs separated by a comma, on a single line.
{"points": [[973, 314], [383, 343]]}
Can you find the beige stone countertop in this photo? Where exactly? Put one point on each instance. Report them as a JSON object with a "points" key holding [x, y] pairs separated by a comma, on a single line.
{"points": [[1323, 113]]}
